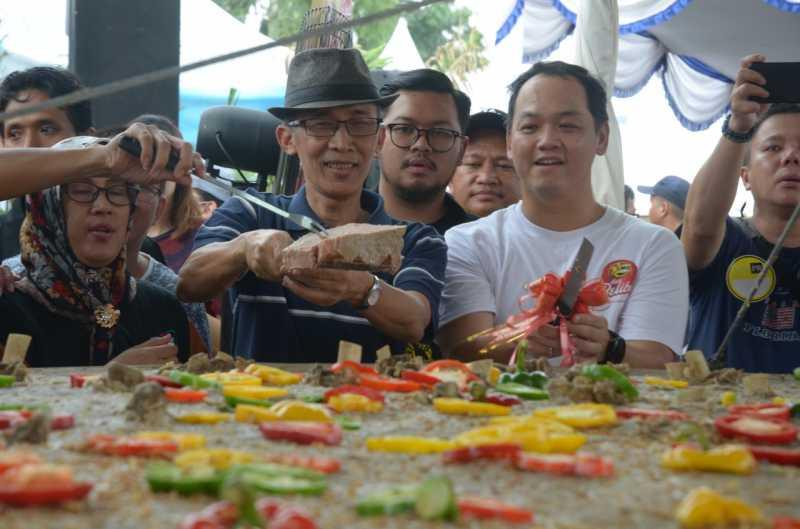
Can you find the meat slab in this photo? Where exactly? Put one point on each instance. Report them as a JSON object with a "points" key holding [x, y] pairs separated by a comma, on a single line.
{"points": [[351, 246]]}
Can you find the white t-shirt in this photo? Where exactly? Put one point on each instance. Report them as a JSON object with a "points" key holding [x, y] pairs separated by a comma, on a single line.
{"points": [[490, 260]]}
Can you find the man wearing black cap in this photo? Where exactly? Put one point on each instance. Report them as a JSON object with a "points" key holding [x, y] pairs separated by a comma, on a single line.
{"points": [[424, 143], [667, 201], [331, 122], [485, 180]]}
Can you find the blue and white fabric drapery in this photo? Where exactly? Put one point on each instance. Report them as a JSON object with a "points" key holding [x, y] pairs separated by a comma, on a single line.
{"points": [[697, 93]]}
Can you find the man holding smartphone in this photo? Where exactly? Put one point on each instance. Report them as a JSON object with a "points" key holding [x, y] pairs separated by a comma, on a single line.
{"points": [[761, 145]]}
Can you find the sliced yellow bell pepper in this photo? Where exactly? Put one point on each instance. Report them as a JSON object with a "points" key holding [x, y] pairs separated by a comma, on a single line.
{"points": [[734, 459], [494, 376], [273, 376], [533, 434], [465, 407], [778, 400], [351, 402], [297, 410], [704, 507], [667, 383], [409, 444], [728, 398], [252, 413], [204, 417], [232, 378], [253, 392], [185, 441], [585, 415], [218, 458]]}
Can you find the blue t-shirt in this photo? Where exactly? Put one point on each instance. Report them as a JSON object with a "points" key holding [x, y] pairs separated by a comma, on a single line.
{"points": [[768, 339], [270, 323]]}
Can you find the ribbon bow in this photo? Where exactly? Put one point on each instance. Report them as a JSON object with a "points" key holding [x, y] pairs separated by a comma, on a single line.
{"points": [[546, 290]]}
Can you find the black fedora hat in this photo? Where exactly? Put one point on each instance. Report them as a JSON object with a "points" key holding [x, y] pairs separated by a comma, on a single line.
{"points": [[325, 78]]}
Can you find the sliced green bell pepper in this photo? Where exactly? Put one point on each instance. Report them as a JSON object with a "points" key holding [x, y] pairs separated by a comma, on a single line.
{"points": [[233, 401], [436, 499], [6, 381], [348, 423], [167, 477], [189, 379], [282, 479], [522, 391], [534, 379], [796, 373], [597, 372], [393, 500], [313, 399]]}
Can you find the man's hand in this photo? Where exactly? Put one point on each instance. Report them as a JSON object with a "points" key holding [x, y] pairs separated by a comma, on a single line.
{"points": [[749, 83], [151, 166], [328, 286], [156, 350], [263, 253], [7, 280], [589, 333]]}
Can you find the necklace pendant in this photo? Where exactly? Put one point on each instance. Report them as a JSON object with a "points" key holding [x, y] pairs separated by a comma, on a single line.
{"points": [[106, 316]]}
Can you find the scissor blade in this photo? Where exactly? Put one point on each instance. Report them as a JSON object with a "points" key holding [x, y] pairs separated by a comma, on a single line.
{"points": [[301, 220], [576, 278]]}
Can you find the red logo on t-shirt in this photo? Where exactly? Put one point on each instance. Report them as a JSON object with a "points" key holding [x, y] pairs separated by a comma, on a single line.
{"points": [[619, 277]]}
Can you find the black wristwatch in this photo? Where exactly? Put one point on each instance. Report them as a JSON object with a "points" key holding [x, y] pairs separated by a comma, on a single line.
{"points": [[615, 351], [735, 137]]}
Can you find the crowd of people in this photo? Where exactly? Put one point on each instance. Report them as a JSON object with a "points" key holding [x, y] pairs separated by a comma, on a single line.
{"points": [[108, 256]]}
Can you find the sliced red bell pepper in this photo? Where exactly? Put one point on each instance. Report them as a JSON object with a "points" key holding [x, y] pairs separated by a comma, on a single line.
{"points": [[13, 418], [389, 384], [486, 508], [62, 422], [303, 432], [326, 465], [13, 458], [645, 413], [282, 516], [360, 369], [501, 399], [185, 396], [766, 409], [357, 390], [130, 446], [467, 454], [39, 484], [580, 464], [756, 429], [450, 371], [162, 381], [785, 522], [420, 378], [76, 380], [776, 455], [220, 515]]}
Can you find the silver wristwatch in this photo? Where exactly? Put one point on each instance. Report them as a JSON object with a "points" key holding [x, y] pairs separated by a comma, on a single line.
{"points": [[373, 294]]}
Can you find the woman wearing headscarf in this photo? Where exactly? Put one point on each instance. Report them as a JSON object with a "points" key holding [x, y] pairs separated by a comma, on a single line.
{"points": [[76, 299]]}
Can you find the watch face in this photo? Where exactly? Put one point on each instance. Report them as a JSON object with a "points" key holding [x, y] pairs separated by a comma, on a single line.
{"points": [[374, 293]]}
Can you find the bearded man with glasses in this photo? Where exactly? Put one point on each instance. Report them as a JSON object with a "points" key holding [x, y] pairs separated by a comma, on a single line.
{"points": [[423, 147], [331, 121]]}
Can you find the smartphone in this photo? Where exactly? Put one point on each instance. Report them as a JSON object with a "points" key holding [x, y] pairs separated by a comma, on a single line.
{"points": [[783, 81]]}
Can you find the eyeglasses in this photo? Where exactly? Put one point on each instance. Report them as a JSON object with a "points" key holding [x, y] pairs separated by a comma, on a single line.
{"points": [[148, 193], [439, 140], [117, 194], [326, 128]]}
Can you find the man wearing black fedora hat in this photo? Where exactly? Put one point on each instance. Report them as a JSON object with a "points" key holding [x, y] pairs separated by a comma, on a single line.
{"points": [[331, 121]]}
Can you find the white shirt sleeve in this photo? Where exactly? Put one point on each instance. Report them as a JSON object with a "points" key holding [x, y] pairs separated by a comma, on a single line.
{"points": [[467, 285], [658, 307]]}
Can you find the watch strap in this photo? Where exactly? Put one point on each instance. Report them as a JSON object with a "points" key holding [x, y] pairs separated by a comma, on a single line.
{"points": [[615, 350], [376, 285]]}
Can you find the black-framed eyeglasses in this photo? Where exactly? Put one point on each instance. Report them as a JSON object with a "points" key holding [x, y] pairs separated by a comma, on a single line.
{"points": [[116, 194], [326, 128], [404, 136]]}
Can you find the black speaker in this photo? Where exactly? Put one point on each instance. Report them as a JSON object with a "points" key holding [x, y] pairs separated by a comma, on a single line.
{"points": [[242, 138], [116, 39]]}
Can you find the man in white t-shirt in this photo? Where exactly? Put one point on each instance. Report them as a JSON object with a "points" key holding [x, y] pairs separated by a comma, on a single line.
{"points": [[558, 124]]}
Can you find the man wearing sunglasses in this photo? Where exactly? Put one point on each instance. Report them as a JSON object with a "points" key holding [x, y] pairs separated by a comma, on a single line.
{"points": [[331, 121], [422, 147]]}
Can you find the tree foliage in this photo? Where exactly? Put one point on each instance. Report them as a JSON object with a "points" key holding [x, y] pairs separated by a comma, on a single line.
{"points": [[442, 33]]}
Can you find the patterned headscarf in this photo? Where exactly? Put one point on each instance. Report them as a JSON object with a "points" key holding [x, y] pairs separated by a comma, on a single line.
{"points": [[58, 280]]}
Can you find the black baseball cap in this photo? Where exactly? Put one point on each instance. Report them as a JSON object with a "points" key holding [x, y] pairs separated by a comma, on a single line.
{"points": [[672, 188]]}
